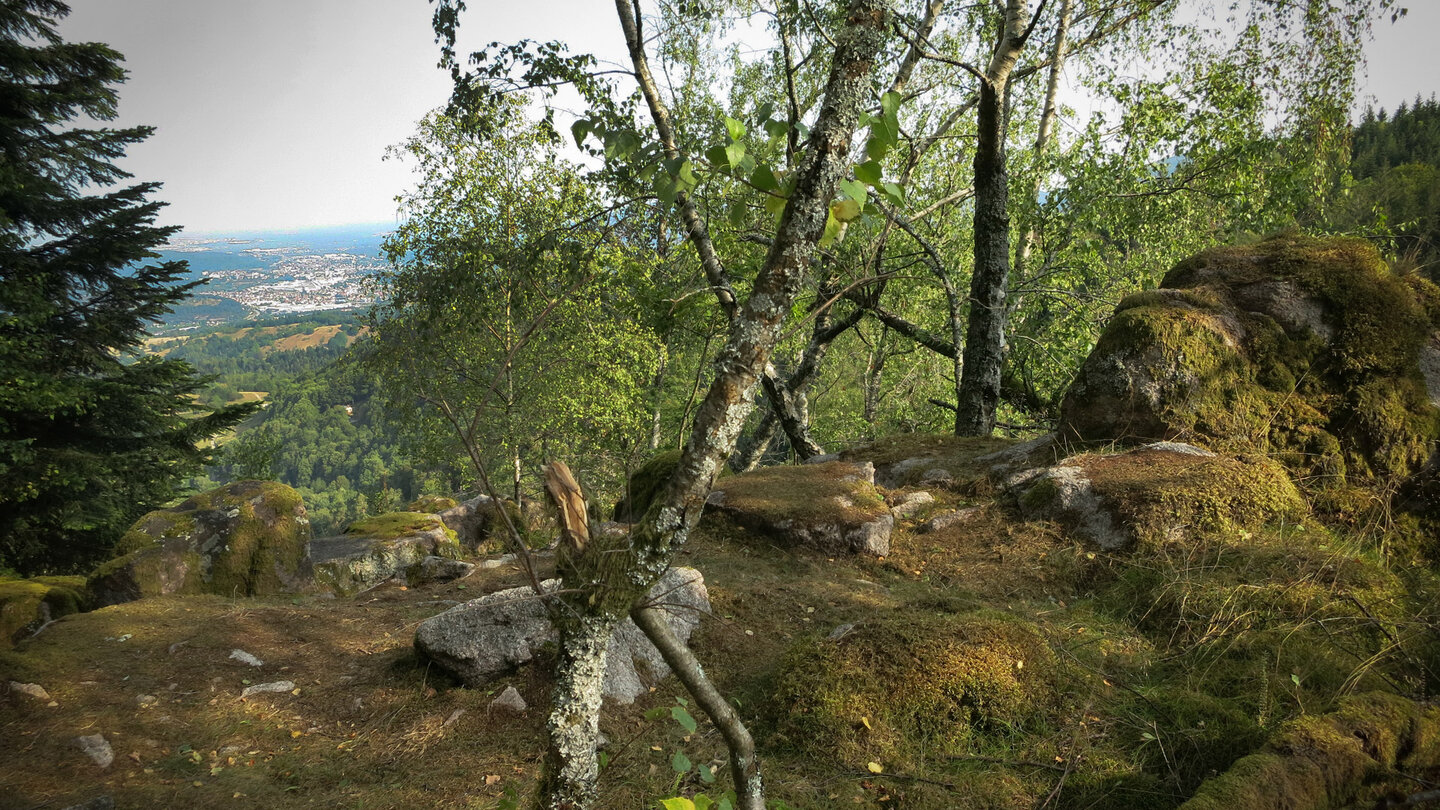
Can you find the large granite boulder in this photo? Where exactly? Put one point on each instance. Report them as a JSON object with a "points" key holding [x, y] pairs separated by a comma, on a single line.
{"points": [[489, 637], [376, 549], [248, 538], [1157, 494], [1312, 351], [831, 507], [27, 605], [480, 523]]}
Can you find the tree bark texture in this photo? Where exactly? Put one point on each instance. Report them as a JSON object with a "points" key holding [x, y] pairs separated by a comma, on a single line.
{"points": [[571, 775], [979, 390]]}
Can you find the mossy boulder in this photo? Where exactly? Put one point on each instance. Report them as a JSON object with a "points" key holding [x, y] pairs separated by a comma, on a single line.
{"points": [[1330, 761], [1158, 494], [480, 523], [431, 504], [831, 507], [1309, 350], [248, 538], [26, 605], [909, 685], [378, 548]]}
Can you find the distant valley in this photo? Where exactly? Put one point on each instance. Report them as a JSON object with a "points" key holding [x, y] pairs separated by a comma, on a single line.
{"points": [[260, 274]]}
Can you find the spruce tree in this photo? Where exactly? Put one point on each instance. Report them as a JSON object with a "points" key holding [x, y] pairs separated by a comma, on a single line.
{"points": [[90, 437]]}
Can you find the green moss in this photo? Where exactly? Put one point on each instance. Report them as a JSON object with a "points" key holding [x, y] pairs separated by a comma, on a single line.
{"points": [[1348, 403], [806, 493], [644, 485], [905, 686], [1320, 762], [1156, 493], [395, 524], [431, 504], [25, 604]]}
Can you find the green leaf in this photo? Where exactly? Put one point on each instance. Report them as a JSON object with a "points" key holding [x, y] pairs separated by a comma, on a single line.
{"points": [[775, 205], [845, 211], [682, 716], [735, 128], [580, 129], [766, 110], [802, 130], [677, 803], [776, 129], [894, 193], [717, 156], [869, 173], [703, 802], [665, 188], [735, 153], [680, 763], [707, 775], [855, 191], [890, 103], [876, 148], [764, 178], [736, 214], [833, 229]]}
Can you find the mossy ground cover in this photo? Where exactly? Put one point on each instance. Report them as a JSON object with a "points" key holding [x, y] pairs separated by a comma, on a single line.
{"points": [[1154, 671]]}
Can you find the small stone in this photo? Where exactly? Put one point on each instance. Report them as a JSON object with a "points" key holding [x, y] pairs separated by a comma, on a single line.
{"points": [[146, 701], [948, 519], [245, 658], [262, 688], [509, 700], [33, 690], [95, 747], [841, 631], [455, 715], [910, 504]]}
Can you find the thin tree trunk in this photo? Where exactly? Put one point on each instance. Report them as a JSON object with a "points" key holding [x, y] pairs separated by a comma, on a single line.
{"points": [[659, 393], [744, 766], [984, 354], [572, 771]]}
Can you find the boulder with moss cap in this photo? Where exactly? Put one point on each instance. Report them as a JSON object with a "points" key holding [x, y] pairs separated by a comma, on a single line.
{"points": [[379, 548], [248, 538], [1310, 350], [831, 507], [27, 605], [1157, 494]]}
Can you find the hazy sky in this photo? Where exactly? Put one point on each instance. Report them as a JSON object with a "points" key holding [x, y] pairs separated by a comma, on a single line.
{"points": [[276, 113]]}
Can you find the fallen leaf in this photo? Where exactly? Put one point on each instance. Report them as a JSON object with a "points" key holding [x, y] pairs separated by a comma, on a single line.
{"points": [[874, 767], [865, 721], [492, 779]]}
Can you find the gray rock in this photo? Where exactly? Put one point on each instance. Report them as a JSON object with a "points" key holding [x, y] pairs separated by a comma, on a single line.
{"points": [[470, 520], [1430, 368], [952, 518], [437, 569], [937, 475], [489, 637], [1070, 499], [274, 687], [909, 504], [510, 701], [245, 658], [32, 690], [823, 458], [899, 473], [1038, 452], [841, 512], [96, 747]]}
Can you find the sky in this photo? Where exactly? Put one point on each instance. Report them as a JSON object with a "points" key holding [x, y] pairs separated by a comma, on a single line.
{"points": [[275, 114]]}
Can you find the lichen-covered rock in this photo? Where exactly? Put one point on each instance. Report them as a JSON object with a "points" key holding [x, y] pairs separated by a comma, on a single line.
{"points": [[490, 637], [1157, 494], [26, 605], [437, 569], [913, 684], [248, 538], [1309, 350], [832, 507], [1326, 761], [431, 504], [378, 548]]}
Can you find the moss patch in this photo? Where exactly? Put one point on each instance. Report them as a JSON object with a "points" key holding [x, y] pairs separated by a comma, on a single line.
{"points": [[913, 684], [644, 484], [392, 525], [805, 493], [431, 504], [27, 604]]}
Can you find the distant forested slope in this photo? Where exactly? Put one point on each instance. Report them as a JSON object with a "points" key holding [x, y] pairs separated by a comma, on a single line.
{"points": [[1396, 165]]}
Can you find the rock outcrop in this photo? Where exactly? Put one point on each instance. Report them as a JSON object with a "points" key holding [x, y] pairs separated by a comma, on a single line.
{"points": [[27, 605], [248, 538], [1160, 493], [376, 549], [1312, 351], [490, 637], [831, 507]]}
